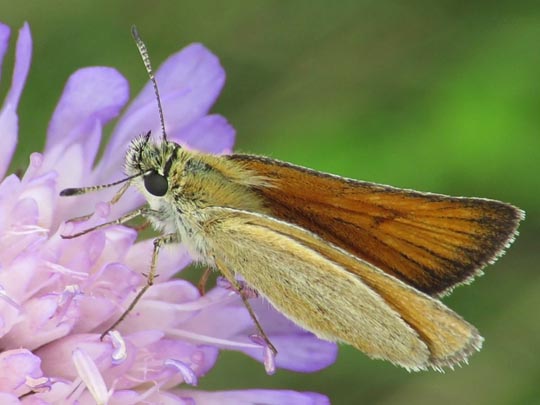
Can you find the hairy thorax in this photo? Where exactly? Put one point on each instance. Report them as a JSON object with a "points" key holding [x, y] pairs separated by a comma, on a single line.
{"points": [[195, 181]]}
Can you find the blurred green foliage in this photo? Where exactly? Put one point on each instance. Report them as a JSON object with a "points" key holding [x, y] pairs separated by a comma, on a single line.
{"points": [[440, 96]]}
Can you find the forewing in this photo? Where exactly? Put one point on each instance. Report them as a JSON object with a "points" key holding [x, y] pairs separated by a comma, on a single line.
{"points": [[430, 241], [335, 295]]}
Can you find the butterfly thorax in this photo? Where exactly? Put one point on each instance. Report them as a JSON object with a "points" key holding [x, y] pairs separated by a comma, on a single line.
{"points": [[179, 184]]}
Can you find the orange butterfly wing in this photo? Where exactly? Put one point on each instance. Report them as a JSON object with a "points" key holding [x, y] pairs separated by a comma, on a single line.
{"points": [[432, 242]]}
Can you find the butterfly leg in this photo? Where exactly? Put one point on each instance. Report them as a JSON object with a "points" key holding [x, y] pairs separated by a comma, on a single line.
{"points": [[238, 288], [201, 285], [114, 200], [152, 274], [124, 218]]}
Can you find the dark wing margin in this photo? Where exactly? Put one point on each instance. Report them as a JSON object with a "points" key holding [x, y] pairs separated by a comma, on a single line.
{"points": [[430, 241]]}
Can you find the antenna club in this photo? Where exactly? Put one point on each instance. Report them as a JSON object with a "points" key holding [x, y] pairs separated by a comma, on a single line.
{"points": [[135, 32], [67, 192]]}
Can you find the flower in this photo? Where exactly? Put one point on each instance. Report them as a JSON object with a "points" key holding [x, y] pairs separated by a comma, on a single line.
{"points": [[57, 296]]}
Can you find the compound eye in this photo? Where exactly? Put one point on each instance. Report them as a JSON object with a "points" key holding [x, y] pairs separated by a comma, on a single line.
{"points": [[156, 184]]}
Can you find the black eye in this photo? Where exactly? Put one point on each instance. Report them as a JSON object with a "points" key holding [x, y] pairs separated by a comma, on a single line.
{"points": [[156, 184]]}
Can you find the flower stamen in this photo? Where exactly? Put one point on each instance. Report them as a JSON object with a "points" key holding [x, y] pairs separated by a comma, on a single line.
{"points": [[40, 384], [269, 357], [66, 271], [187, 372], [90, 375], [27, 230], [119, 354], [66, 298], [211, 340]]}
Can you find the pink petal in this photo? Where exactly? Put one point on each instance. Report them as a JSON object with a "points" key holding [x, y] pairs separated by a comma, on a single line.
{"points": [[9, 128], [224, 317], [200, 359], [20, 276], [23, 229], [115, 284], [164, 306], [74, 162], [15, 366], [172, 259], [9, 399], [59, 391], [42, 190], [56, 357], [39, 326]]}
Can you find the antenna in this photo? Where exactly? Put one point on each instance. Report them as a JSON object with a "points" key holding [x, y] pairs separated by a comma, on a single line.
{"points": [[146, 60], [68, 192]]}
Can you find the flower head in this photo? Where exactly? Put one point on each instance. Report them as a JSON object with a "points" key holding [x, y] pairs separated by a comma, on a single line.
{"points": [[57, 296]]}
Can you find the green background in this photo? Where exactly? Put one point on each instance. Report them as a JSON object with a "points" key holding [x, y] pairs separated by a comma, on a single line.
{"points": [[439, 96]]}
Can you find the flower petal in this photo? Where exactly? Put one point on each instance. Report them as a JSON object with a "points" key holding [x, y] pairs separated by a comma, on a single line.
{"points": [[212, 324], [9, 399], [57, 394], [23, 57], [247, 397], [43, 191], [15, 366], [74, 161], [172, 259], [152, 395], [5, 33], [56, 357], [189, 83], [304, 351], [164, 306], [211, 134], [113, 285], [90, 95], [40, 325], [199, 359], [298, 349], [9, 126], [8, 129]]}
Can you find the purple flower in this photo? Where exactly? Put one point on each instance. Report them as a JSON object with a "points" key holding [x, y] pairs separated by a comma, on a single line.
{"points": [[57, 296]]}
